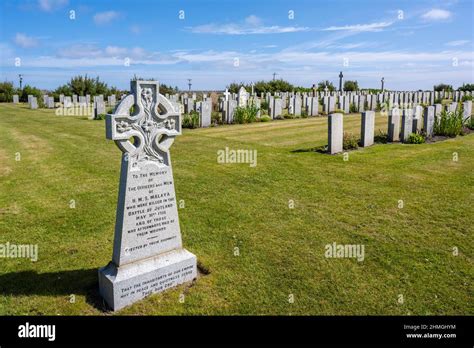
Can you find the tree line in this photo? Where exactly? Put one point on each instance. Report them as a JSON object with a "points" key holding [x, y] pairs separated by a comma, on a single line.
{"points": [[79, 85]]}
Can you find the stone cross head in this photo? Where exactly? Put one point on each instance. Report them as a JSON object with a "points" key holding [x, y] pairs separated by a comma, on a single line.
{"points": [[144, 124]]}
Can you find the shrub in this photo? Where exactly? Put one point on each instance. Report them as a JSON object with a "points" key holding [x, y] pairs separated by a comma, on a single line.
{"points": [[191, 120], [353, 108], [442, 87], [35, 92], [304, 113], [99, 117], [466, 87], [438, 101], [378, 107], [216, 117], [466, 98], [470, 123], [381, 137], [323, 84], [264, 105], [351, 85], [239, 115], [415, 138], [288, 116], [246, 114], [265, 118], [350, 141], [6, 91], [251, 112], [449, 123]]}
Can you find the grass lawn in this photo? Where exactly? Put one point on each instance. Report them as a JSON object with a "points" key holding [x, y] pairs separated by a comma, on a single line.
{"points": [[408, 251]]}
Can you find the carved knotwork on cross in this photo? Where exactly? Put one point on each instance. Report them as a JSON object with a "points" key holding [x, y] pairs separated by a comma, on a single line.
{"points": [[153, 124]]}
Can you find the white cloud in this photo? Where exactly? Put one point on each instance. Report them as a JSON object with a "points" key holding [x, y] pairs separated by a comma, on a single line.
{"points": [[80, 51], [105, 17], [51, 5], [457, 43], [237, 29], [253, 20], [25, 41], [436, 15], [115, 51], [251, 25], [360, 27]]}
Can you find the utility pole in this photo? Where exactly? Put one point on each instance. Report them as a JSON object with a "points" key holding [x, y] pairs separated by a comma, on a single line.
{"points": [[382, 83], [189, 84], [340, 81], [21, 79], [274, 74]]}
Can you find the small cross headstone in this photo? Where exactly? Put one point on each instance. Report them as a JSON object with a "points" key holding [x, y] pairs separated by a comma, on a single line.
{"points": [[226, 94], [148, 254]]}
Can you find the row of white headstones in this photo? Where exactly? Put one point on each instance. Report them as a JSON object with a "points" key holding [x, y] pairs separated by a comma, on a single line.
{"points": [[413, 120]]}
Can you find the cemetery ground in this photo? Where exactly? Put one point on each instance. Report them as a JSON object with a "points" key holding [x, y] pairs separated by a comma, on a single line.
{"points": [[62, 192]]}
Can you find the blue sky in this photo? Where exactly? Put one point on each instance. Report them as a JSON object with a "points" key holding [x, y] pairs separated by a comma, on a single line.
{"points": [[412, 44]]}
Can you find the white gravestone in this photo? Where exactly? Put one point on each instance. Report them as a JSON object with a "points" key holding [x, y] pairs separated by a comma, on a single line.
{"points": [[367, 128], [50, 103], [243, 97], [335, 133], [33, 103], [407, 124], [275, 107], [467, 111], [312, 106], [429, 121], [148, 254], [205, 113], [394, 125]]}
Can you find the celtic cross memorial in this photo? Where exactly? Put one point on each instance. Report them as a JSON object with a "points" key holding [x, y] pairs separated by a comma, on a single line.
{"points": [[148, 255]]}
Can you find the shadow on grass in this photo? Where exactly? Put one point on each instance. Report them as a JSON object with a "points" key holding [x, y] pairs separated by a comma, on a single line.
{"points": [[318, 149], [74, 282]]}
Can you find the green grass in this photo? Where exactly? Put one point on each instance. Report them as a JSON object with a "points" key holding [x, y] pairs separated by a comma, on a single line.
{"points": [[408, 251]]}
